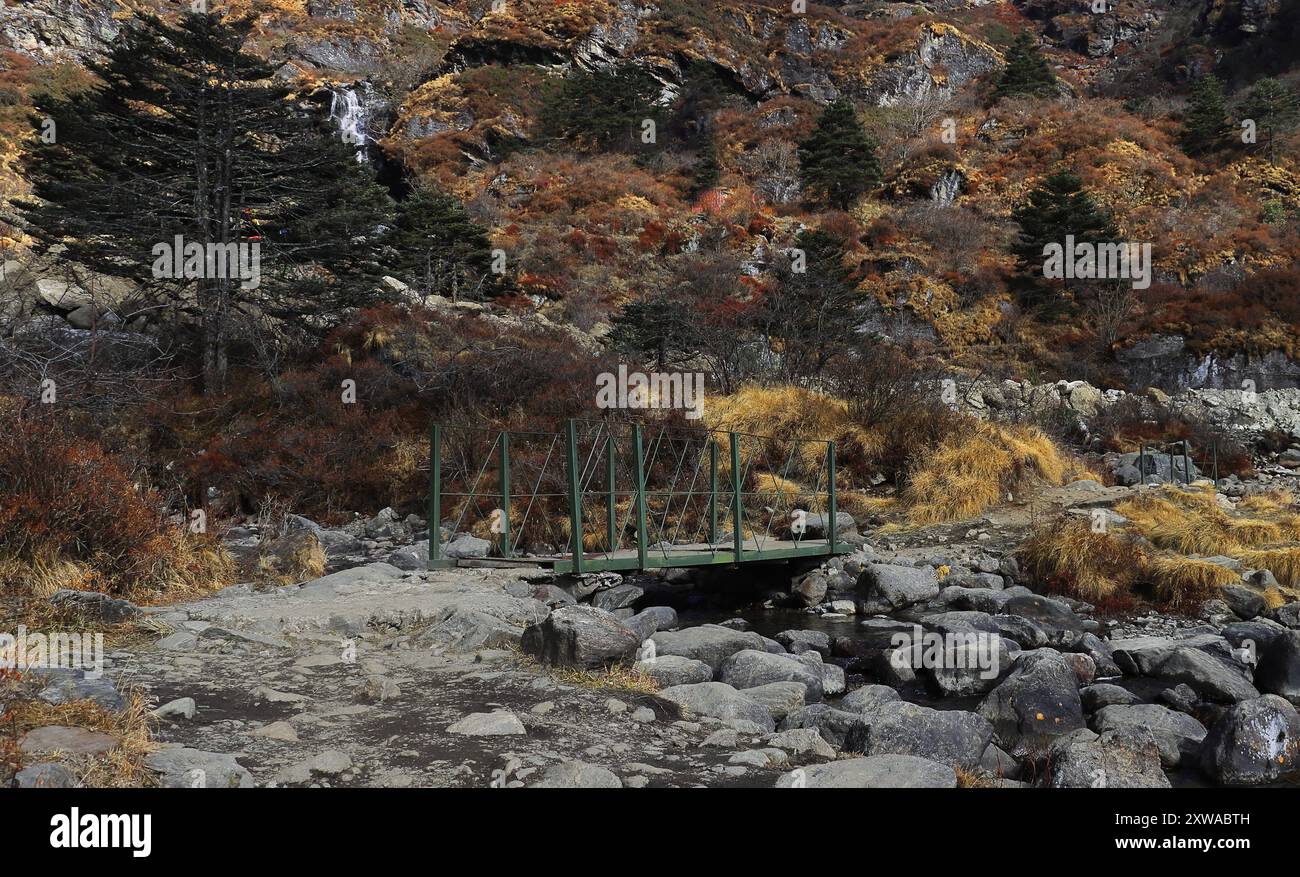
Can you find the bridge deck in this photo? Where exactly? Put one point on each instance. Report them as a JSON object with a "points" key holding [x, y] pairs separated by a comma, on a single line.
{"points": [[694, 554]]}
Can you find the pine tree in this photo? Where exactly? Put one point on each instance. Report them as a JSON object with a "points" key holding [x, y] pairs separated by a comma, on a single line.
{"points": [[1027, 71], [1058, 207], [186, 134], [438, 249], [838, 159], [1205, 124], [1275, 109], [654, 328]]}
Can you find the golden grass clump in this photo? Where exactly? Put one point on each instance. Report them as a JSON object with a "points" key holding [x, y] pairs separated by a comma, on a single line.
{"points": [[793, 412], [1070, 558], [1284, 563], [617, 677], [971, 471], [1179, 582]]}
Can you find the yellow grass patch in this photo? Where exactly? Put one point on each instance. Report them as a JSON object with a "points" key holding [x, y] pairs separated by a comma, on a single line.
{"points": [[971, 471], [1069, 557], [790, 413], [1179, 582], [1284, 563]]}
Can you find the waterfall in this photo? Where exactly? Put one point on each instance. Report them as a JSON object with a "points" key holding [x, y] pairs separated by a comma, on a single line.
{"points": [[349, 113]]}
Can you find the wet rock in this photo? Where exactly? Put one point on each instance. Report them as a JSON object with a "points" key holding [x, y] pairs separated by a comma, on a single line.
{"points": [[1121, 758], [1253, 743], [1039, 699], [874, 772], [1177, 736], [1279, 667], [719, 700], [951, 737], [1244, 602], [797, 641], [1210, 677], [1102, 695], [811, 588], [580, 636]]}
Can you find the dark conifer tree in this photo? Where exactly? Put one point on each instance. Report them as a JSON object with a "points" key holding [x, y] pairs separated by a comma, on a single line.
{"points": [[1027, 71], [838, 159], [187, 134]]}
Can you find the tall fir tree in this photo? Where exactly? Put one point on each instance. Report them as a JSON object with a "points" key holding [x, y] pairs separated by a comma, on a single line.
{"points": [[188, 135], [706, 172], [838, 159], [1058, 207], [1205, 123], [1274, 107], [436, 248], [1027, 71]]}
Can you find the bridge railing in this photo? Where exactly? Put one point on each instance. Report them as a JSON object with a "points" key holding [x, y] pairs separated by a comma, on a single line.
{"points": [[613, 495]]}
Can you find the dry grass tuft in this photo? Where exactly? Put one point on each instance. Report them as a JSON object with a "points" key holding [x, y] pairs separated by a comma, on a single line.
{"points": [[1181, 582], [972, 471], [1284, 563], [973, 778], [288, 559], [1071, 559], [120, 767], [793, 412], [617, 678]]}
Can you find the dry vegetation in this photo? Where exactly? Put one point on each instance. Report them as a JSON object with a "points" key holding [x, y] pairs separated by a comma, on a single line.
{"points": [[1160, 554]]}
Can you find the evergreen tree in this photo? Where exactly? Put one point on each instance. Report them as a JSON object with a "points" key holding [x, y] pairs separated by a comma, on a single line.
{"points": [[838, 159], [600, 111], [188, 135], [1058, 207], [1205, 124], [438, 249], [1275, 109], [1027, 71], [654, 328], [810, 316], [706, 172]]}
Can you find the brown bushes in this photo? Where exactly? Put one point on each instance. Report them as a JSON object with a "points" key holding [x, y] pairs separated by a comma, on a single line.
{"points": [[71, 515]]}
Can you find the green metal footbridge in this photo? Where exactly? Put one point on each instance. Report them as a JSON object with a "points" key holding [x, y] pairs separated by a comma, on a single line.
{"points": [[612, 495]]}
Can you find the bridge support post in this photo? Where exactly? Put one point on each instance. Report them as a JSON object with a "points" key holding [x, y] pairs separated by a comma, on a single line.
{"points": [[642, 537], [713, 490], [575, 495], [435, 494], [611, 512], [505, 494], [831, 525], [737, 500]]}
